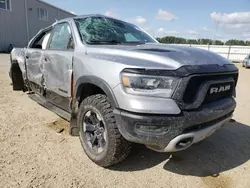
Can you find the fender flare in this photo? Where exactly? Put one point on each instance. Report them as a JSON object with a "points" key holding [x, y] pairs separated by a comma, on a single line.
{"points": [[97, 82]]}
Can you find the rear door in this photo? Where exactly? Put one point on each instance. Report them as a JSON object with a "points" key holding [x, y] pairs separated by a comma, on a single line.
{"points": [[58, 60], [35, 60]]}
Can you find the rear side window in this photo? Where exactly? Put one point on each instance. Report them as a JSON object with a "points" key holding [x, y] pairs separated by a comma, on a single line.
{"points": [[61, 37], [45, 40], [40, 42]]}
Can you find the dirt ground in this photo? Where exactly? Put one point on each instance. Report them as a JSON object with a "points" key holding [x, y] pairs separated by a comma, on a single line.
{"points": [[34, 152]]}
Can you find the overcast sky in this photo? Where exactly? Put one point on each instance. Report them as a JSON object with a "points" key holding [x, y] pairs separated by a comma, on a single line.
{"points": [[220, 19]]}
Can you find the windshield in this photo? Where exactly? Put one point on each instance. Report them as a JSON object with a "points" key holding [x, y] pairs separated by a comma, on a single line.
{"points": [[102, 30]]}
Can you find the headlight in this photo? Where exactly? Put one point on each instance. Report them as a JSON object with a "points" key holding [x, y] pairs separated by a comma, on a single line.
{"points": [[157, 86]]}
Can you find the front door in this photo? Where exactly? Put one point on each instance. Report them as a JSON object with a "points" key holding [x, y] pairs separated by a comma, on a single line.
{"points": [[58, 59]]}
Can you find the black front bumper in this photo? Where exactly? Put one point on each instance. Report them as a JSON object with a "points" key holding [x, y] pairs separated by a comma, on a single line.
{"points": [[159, 130]]}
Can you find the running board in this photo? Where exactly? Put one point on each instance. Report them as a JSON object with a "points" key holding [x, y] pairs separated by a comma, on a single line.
{"points": [[60, 112]]}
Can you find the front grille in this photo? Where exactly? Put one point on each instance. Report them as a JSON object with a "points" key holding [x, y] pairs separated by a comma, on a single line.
{"points": [[219, 95], [196, 82]]}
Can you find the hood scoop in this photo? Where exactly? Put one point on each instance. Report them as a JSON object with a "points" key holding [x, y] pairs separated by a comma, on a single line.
{"points": [[155, 50]]}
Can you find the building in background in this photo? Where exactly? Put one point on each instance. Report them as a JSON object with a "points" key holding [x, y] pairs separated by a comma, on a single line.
{"points": [[20, 20]]}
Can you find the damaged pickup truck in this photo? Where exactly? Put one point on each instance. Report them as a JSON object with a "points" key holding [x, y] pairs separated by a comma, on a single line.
{"points": [[117, 85]]}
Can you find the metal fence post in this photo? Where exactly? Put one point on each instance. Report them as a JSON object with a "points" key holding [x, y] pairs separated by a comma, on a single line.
{"points": [[208, 47], [229, 50]]}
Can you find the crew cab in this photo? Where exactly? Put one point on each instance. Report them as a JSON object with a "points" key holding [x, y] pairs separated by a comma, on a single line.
{"points": [[117, 85]]}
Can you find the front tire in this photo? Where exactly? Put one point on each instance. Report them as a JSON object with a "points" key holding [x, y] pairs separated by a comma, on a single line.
{"points": [[99, 135]]}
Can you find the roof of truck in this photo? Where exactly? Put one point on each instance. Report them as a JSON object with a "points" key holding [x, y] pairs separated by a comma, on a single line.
{"points": [[91, 15], [85, 16], [97, 15]]}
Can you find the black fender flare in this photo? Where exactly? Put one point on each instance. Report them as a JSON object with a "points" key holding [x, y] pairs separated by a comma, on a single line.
{"points": [[97, 82]]}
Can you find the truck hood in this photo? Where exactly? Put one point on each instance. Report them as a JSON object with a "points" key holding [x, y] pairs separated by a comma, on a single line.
{"points": [[155, 55]]}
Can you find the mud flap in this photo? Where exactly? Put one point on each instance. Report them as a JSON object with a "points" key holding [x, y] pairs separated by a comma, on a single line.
{"points": [[74, 128]]}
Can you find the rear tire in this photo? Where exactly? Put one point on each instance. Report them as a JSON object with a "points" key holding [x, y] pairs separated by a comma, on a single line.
{"points": [[17, 78], [99, 135]]}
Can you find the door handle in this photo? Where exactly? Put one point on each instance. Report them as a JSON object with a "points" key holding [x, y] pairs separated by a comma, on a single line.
{"points": [[46, 59]]}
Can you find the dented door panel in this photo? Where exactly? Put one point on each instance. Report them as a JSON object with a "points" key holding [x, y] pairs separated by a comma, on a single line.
{"points": [[34, 63], [58, 72]]}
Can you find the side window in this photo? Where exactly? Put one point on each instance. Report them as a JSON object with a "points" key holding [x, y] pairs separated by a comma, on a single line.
{"points": [[45, 40], [62, 38], [41, 40]]}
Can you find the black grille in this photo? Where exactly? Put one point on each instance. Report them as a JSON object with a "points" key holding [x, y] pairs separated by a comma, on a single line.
{"points": [[210, 97], [197, 81]]}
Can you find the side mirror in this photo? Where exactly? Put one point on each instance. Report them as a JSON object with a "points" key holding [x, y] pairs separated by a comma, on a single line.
{"points": [[71, 45]]}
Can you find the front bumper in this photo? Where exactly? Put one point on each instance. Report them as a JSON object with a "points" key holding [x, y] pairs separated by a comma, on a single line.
{"points": [[185, 140], [157, 131]]}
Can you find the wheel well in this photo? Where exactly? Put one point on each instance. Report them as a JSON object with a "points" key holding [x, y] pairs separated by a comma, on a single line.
{"points": [[17, 77], [15, 67], [90, 85], [87, 90]]}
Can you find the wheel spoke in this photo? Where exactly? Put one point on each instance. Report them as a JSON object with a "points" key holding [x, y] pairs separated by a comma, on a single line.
{"points": [[98, 123], [101, 142], [93, 139], [89, 127], [94, 129], [102, 130], [88, 114], [93, 119]]}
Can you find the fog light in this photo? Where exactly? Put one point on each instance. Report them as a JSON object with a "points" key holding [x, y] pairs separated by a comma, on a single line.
{"points": [[151, 128]]}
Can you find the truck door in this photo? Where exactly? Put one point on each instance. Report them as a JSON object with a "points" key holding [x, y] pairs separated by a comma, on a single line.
{"points": [[34, 60], [58, 59]]}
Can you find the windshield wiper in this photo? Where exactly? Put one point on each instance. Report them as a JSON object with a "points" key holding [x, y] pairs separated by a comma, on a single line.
{"points": [[103, 42], [114, 42], [134, 42]]}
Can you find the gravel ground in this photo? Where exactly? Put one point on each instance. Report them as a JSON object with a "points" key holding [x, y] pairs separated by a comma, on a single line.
{"points": [[34, 152]]}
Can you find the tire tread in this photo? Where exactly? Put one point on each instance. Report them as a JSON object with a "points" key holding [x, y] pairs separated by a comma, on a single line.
{"points": [[122, 147]]}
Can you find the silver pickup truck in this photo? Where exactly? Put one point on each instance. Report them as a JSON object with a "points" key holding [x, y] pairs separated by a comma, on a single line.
{"points": [[117, 85], [246, 62]]}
